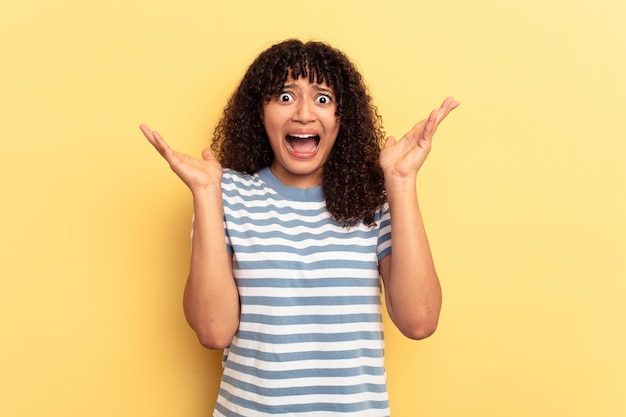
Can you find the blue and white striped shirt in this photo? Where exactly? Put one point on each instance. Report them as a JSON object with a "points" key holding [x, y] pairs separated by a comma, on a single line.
{"points": [[310, 339]]}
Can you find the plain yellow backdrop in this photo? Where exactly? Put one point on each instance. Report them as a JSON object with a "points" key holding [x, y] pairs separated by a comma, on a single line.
{"points": [[523, 194]]}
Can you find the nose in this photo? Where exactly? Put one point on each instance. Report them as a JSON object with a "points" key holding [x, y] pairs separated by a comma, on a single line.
{"points": [[304, 112]]}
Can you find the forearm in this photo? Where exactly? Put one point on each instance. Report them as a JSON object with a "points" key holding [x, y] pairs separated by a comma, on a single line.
{"points": [[211, 301], [412, 289]]}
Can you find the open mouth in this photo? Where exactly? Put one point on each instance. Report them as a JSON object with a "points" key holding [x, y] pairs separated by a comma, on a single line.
{"points": [[303, 144]]}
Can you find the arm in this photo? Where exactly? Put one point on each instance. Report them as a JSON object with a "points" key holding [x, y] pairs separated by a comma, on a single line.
{"points": [[211, 300], [412, 289]]}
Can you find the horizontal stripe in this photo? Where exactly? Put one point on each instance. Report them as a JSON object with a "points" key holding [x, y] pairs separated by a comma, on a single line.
{"points": [[297, 310], [265, 214], [277, 201], [263, 249], [236, 197], [307, 355], [308, 390], [307, 373], [325, 319], [329, 329], [309, 337], [330, 239], [315, 265], [295, 233], [315, 365], [379, 379], [298, 293], [286, 348], [308, 283], [309, 301], [327, 259], [329, 274]]}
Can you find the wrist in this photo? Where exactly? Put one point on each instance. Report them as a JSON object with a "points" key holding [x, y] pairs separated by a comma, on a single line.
{"points": [[394, 181], [207, 192], [401, 189]]}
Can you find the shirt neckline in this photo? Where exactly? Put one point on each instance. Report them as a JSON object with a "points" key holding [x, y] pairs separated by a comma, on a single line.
{"points": [[293, 193]]}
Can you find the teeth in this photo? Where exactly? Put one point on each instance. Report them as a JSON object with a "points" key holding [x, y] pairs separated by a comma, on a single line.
{"points": [[303, 136]]}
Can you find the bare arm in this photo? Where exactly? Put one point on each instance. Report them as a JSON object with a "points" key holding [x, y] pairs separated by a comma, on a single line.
{"points": [[211, 300], [412, 288]]}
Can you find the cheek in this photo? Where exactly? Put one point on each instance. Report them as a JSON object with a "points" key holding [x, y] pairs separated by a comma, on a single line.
{"points": [[274, 118], [269, 125], [336, 126]]}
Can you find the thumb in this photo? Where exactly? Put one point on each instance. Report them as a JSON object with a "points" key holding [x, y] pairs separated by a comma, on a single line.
{"points": [[207, 155]]}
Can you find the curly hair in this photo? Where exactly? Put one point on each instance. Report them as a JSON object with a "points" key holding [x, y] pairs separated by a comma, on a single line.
{"points": [[353, 181]]}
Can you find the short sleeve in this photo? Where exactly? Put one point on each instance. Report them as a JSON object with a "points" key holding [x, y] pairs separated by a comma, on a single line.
{"points": [[229, 246], [384, 232]]}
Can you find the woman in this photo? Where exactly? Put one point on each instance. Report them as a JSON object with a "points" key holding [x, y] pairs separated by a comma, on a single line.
{"points": [[305, 191]]}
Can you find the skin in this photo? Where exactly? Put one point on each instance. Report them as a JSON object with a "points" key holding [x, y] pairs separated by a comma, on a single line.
{"points": [[412, 288], [303, 109], [210, 300]]}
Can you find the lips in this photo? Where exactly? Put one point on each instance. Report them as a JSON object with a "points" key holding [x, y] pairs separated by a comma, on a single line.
{"points": [[302, 145]]}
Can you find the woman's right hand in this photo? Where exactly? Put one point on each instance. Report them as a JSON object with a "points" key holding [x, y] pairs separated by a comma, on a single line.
{"points": [[211, 300], [197, 174]]}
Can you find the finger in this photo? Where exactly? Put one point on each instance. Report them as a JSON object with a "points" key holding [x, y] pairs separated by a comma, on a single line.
{"points": [[431, 124], [154, 138], [446, 107], [417, 131], [158, 142], [162, 146], [147, 132], [426, 128], [440, 114], [450, 102]]}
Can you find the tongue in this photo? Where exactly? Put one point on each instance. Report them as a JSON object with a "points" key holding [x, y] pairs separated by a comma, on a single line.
{"points": [[303, 145]]}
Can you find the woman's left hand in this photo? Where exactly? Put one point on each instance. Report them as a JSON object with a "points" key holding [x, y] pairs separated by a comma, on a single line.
{"points": [[403, 158]]}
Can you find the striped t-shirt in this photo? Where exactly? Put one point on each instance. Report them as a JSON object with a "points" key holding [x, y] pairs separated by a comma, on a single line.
{"points": [[310, 338]]}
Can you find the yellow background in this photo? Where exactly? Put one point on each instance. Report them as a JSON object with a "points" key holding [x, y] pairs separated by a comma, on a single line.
{"points": [[523, 194]]}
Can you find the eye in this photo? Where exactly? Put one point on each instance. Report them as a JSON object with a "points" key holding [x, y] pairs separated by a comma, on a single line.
{"points": [[323, 99], [285, 97]]}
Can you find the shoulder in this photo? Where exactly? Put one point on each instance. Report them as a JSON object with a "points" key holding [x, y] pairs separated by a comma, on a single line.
{"points": [[238, 188], [231, 176], [233, 180]]}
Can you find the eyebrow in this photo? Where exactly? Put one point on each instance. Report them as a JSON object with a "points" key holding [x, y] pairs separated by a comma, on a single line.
{"points": [[315, 86]]}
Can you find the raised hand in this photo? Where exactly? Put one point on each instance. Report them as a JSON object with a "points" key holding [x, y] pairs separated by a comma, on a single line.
{"points": [[404, 158], [197, 174]]}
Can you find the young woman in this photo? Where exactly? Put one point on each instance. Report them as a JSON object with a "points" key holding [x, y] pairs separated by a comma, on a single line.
{"points": [[301, 208]]}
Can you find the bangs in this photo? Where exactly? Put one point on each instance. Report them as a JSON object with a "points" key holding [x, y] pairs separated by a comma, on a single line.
{"points": [[311, 70]]}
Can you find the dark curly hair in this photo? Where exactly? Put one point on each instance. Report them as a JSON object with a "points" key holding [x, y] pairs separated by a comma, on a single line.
{"points": [[353, 181]]}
